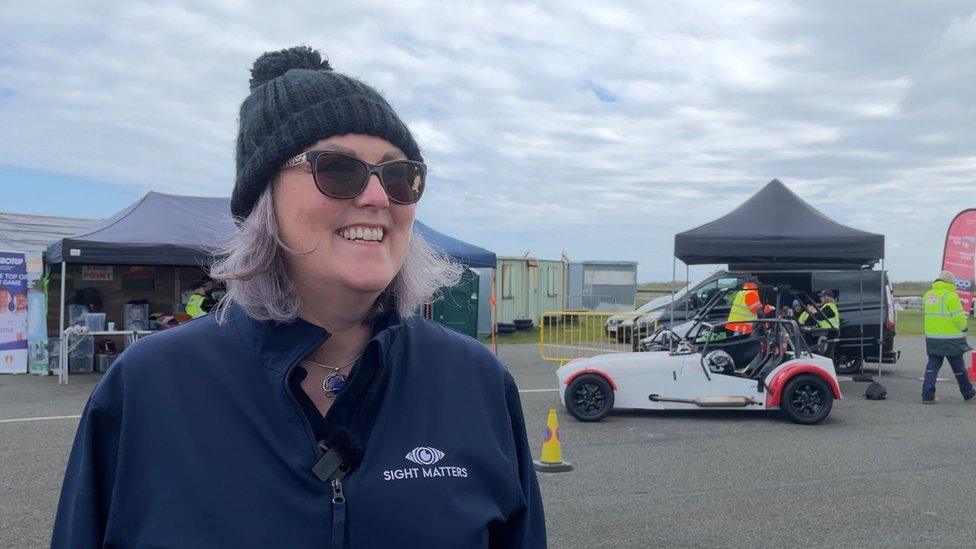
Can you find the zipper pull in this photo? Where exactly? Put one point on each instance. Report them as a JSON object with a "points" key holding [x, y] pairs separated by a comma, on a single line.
{"points": [[338, 515], [337, 495]]}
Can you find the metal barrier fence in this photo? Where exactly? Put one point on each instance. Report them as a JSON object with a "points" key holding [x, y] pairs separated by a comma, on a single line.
{"points": [[566, 335]]}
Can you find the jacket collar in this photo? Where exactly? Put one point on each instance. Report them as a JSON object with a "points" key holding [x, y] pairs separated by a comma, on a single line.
{"points": [[278, 345]]}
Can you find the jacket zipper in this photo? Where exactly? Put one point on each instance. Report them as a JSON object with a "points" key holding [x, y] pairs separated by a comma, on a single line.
{"points": [[338, 514], [338, 496]]}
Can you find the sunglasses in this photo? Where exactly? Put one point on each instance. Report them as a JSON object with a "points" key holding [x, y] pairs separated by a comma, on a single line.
{"points": [[342, 176]]}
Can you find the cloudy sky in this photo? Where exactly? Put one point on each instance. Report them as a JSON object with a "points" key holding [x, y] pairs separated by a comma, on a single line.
{"points": [[601, 130]]}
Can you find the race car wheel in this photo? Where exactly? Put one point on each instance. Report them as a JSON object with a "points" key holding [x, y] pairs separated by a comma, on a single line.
{"points": [[589, 398], [846, 365], [807, 399]]}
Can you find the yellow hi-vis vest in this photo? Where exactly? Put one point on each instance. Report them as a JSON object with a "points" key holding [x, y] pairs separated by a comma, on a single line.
{"points": [[194, 307], [830, 323], [739, 311], [944, 317]]}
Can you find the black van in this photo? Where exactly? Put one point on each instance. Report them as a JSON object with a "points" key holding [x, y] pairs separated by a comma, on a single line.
{"points": [[858, 296]]}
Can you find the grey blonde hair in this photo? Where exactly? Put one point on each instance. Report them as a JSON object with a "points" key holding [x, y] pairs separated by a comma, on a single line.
{"points": [[252, 266]]}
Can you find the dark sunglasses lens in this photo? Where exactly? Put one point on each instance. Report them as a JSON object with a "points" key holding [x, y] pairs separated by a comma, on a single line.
{"points": [[339, 176], [404, 181]]}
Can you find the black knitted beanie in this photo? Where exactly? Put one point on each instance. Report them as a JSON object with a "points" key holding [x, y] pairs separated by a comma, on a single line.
{"points": [[297, 99]]}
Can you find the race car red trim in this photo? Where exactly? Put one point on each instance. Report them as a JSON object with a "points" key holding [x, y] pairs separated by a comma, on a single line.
{"points": [[779, 380], [613, 384]]}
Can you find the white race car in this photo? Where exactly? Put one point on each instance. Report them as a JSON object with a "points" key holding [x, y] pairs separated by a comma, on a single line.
{"points": [[782, 375]]}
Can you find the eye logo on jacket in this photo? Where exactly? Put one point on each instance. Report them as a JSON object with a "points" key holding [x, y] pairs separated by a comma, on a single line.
{"points": [[423, 455]]}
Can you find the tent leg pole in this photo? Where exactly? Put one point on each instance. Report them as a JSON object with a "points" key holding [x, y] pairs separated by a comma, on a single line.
{"points": [[62, 344], [494, 315], [674, 275], [881, 309], [687, 281], [861, 314]]}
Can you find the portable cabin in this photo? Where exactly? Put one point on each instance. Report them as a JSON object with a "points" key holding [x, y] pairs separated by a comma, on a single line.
{"points": [[527, 287], [602, 285]]}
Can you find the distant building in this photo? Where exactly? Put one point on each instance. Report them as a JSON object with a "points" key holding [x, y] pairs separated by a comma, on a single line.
{"points": [[525, 288], [602, 285], [30, 233]]}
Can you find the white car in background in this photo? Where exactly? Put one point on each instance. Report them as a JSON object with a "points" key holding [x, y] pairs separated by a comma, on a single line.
{"points": [[781, 374]]}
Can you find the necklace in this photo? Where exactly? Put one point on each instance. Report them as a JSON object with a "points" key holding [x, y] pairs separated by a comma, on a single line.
{"points": [[335, 382]]}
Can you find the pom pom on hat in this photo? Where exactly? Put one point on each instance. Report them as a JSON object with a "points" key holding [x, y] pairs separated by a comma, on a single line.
{"points": [[273, 64]]}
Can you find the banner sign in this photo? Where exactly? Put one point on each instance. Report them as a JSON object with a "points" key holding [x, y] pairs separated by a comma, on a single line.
{"points": [[97, 273], [959, 256], [37, 347], [13, 313]]}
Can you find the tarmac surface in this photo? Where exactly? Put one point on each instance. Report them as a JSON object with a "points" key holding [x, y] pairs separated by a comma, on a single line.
{"points": [[891, 473]]}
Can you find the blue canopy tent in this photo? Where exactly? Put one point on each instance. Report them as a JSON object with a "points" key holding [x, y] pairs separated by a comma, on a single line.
{"points": [[173, 230], [467, 254]]}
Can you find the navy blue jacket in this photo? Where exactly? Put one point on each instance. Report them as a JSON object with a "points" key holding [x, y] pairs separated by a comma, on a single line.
{"points": [[193, 438]]}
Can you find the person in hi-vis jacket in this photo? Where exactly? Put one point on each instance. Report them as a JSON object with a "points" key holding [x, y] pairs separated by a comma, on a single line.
{"points": [[945, 327]]}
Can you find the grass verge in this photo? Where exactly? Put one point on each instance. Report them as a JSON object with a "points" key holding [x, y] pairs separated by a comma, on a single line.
{"points": [[910, 324]]}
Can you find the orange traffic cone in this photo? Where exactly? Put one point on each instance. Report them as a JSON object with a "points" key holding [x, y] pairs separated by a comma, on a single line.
{"points": [[551, 460], [972, 366]]}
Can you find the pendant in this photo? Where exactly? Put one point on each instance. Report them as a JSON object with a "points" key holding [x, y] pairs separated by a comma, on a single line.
{"points": [[334, 384]]}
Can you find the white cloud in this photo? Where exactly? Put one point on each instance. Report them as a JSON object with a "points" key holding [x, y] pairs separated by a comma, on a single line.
{"points": [[601, 129]]}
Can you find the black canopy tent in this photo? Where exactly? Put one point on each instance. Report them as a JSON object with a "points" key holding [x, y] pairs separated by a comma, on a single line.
{"points": [[184, 231], [166, 229], [158, 229], [776, 230]]}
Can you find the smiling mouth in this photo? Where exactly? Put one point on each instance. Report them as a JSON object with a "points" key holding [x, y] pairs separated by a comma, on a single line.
{"points": [[362, 234]]}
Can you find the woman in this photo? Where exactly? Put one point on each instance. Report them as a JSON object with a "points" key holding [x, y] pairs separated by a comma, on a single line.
{"points": [[312, 410]]}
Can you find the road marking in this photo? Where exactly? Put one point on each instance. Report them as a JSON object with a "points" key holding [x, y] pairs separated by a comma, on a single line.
{"points": [[538, 390], [23, 419]]}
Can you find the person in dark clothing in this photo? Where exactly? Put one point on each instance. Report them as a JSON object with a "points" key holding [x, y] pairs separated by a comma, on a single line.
{"points": [[313, 408], [210, 298]]}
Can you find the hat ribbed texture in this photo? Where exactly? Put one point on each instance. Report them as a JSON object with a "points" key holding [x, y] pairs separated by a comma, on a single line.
{"points": [[286, 114]]}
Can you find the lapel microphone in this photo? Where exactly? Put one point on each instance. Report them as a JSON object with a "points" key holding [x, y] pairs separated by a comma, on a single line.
{"points": [[341, 452]]}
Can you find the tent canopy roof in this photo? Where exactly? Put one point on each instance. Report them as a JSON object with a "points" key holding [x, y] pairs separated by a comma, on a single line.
{"points": [[468, 254], [158, 229], [776, 229], [166, 229]]}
